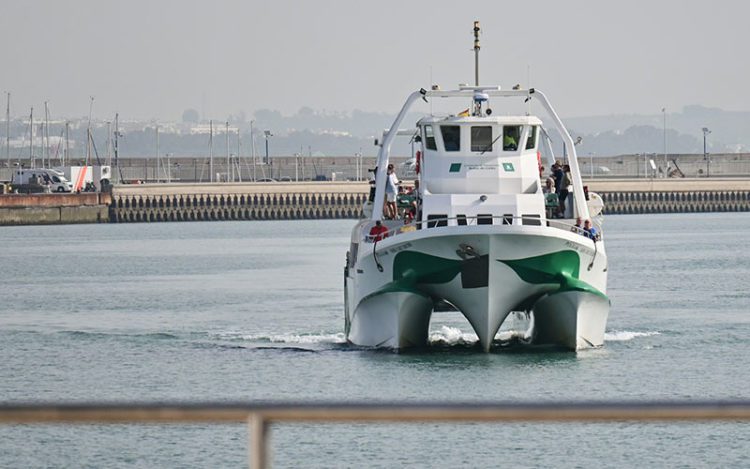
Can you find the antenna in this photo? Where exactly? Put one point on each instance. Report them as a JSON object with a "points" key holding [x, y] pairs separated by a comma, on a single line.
{"points": [[476, 53]]}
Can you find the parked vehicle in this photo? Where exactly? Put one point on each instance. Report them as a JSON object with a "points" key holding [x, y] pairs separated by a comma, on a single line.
{"points": [[55, 180], [83, 177]]}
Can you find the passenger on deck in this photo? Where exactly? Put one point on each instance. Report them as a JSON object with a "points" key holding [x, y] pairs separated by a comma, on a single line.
{"points": [[371, 196], [562, 192], [408, 225], [590, 231], [557, 174], [417, 203], [577, 228], [378, 232], [549, 186], [391, 189]]}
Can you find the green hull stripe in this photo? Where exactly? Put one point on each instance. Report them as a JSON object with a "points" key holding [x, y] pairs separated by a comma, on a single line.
{"points": [[561, 268], [411, 269]]}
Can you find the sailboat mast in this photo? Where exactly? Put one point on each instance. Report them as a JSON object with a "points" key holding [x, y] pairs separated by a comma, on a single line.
{"points": [[66, 156], [252, 151], [109, 143], [7, 129], [211, 149], [31, 137], [117, 146], [45, 135], [476, 53], [158, 173], [239, 160], [229, 163], [88, 132]]}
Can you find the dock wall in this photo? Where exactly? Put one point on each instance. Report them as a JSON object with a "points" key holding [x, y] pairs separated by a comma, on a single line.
{"points": [[291, 201], [327, 200], [51, 209]]}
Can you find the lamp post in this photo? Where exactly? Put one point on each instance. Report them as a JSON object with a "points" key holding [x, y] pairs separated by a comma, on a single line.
{"points": [[169, 168], [705, 153], [266, 134]]}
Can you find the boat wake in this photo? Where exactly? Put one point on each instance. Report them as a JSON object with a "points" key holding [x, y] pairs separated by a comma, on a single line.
{"points": [[443, 337], [122, 335], [290, 338], [447, 336], [623, 336]]}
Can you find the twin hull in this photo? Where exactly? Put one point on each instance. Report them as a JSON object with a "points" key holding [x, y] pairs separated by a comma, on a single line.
{"points": [[485, 272]]}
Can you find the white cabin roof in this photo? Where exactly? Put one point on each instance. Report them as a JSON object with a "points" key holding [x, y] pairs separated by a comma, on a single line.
{"points": [[497, 120]]}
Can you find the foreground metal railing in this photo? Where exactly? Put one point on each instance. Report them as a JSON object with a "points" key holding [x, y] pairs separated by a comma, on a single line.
{"points": [[259, 416]]}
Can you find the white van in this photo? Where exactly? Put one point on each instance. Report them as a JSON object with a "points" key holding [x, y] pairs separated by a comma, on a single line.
{"points": [[43, 177]]}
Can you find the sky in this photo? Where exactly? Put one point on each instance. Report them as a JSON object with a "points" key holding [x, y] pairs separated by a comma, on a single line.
{"points": [[154, 59]]}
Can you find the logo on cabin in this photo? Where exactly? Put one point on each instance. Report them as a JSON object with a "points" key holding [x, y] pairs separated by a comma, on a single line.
{"points": [[508, 167], [455, 168]]}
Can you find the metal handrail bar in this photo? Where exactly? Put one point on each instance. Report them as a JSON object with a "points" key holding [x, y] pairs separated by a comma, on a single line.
{"points": [[259, 416], [374, 412], [396, 231]]}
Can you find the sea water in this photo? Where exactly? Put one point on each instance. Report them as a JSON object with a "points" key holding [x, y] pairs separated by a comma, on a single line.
{"points": [[245, 311]]}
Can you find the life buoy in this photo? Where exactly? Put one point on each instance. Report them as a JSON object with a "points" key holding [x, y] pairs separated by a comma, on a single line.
{"points": [[419, 160]]}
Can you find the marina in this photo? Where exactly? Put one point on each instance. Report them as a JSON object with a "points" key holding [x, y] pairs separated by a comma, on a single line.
{"points": [[329, 200], [249, 235]]}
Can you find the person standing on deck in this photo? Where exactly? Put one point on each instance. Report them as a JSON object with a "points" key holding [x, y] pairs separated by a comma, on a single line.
{"points": [[391, 189]]}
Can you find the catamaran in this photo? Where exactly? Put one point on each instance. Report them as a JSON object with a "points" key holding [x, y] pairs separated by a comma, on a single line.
{"points": [[484, 239]]}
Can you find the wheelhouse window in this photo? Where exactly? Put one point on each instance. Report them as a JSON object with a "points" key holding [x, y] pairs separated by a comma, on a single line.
{"points": [[429, 138], [481, 138], [511, 136], [451, 137], [531, 140]]}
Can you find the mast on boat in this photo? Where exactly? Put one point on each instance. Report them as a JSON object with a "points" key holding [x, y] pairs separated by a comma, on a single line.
{"points": [[88, 131], [45, 135], [7, 129], [211, 150], [66, 155], [117, 136], [31, 137], [229, 164], [476, 53]]}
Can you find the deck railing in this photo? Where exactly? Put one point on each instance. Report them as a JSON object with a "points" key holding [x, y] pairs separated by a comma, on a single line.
{"points": [[507, 220], [260, 416]]}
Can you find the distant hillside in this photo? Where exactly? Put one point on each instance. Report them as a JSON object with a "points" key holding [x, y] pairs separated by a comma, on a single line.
{"points": [[623, 134], [324, 133]]}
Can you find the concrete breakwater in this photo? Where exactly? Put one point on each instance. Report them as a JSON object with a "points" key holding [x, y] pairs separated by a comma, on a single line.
{"points": [[324, 200], [50, 209], [289, 201], [237, 201]]}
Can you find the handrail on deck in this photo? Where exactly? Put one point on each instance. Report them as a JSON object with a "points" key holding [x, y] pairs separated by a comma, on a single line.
{"points": [[471, 220], [259, 416]]}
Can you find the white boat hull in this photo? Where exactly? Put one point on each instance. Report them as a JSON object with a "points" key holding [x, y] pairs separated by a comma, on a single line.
{"points": [[486, 273]]}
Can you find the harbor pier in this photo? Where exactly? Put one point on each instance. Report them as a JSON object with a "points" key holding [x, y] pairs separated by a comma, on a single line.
{"points": [[53, 209], [128, 203], [321, 200]]}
